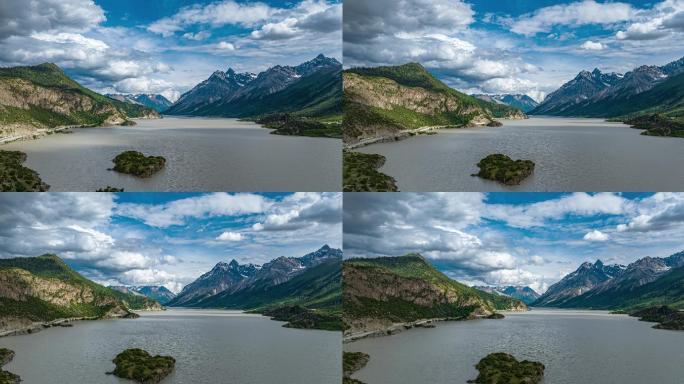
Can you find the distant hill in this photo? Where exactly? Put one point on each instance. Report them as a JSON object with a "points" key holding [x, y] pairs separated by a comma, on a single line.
{"points": [[650, 281], [519, 101], [157, 102], [43, 96], [385, 290], [646, 89], [384, 101], [44, 288], [311, 89], [158, 293], [525, 294]]}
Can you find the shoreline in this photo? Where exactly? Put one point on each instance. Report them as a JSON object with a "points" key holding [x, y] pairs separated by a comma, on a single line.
{"points": [[39, 133]]}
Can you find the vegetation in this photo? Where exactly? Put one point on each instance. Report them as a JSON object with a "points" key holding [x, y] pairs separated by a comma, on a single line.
{"points": [[291, 125], [299, 317], [666, 317], [14, 177], [502, 368], [138, 365], [352, 362], [6, 355], [657, 125], [110, 189], [360, 173], [505, 170], [137, 164]]}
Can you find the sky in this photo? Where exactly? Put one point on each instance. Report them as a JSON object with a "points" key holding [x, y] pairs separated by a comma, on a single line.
{"points": [[165, 46], [165, 239], [500, 239], [513, 46]]}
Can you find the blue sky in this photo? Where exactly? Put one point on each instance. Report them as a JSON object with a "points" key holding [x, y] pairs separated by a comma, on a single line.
{"points": [[165, 238], [513, 46], [167, 47], [514, 238]]}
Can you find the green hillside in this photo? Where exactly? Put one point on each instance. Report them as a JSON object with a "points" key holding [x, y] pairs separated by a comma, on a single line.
{"points": [[39, 86], [25, 276], [408, 288]]}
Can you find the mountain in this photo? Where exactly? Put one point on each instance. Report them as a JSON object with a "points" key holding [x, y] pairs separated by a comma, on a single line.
{"points": [[585, 278], [521, 102], [645, 89], [645, 282], [311, 89], [44, 288], [157, 102], [249, 286], [384, 102], [525, 294], [43, 96], [378, 292], [158, 293]]}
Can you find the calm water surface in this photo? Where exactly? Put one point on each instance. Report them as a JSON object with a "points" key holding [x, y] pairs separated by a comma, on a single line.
{"points": [[209, 347], [202, 155], [575, 346], [570, 155]]}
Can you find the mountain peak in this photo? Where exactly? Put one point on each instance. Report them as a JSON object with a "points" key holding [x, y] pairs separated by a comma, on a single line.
{"points": [[598, 264], [233, 263]]}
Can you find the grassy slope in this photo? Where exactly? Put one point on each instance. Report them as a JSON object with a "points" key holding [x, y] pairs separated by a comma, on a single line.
{"points": [[51, 76], [52, 267], [414, 267]]}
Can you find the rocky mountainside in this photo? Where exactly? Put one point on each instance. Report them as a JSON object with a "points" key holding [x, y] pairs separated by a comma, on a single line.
{"points": [[382, 102], [312, 89], [157, 102], [586, 277], [225, 281], [155, 292], [519, 101], [381, 291], [595, 94], [650, 280], [33, 99], [44, 288]]}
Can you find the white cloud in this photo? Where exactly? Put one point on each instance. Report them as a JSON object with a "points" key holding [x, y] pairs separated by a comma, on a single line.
{"points": [[664, 19], [22, 17], [224, 45], [596, 235], [593, 45], [199, 36], [230, 236]]}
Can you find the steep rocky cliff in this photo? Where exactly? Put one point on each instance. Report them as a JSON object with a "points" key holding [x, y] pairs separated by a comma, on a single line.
{"points": [[44, 288], [33, 99], [381, 291], [384, 101]]}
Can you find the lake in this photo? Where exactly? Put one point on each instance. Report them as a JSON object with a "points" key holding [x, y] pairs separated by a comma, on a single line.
{"points": [[570, 155], [575, 346], [210, 346], [203, 154]]}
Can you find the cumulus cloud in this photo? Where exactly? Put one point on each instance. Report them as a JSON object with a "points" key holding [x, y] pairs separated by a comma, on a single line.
{"points": [[199, 36], [664, 19], [596, 235], [593, 45], [230, 236], [23, 18], [302, 210]]}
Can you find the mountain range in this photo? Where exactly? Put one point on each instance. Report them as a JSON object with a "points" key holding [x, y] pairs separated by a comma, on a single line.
{"points": [[157, 102], [311, 89], [523, 293], [646, 89], [312, 281], [44, 289], [649, 281], [384, 102], [155, 292], [43, 96], [519, 101], [380, 292]]}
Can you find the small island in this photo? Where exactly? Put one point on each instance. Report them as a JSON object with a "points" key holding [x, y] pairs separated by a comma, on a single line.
{"points": [[6, 356], [291, 125], [299, 317], [137, 164], [502, 368], [110, 189], [666, 317], [14, 177], [495, 123], [138, 365], [657, 125], [352, 362], [361, 173], [501, 168]]}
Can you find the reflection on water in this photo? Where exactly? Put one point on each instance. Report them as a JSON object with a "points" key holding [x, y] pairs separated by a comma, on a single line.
{"points": [[570, 155], [202, 155]]}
